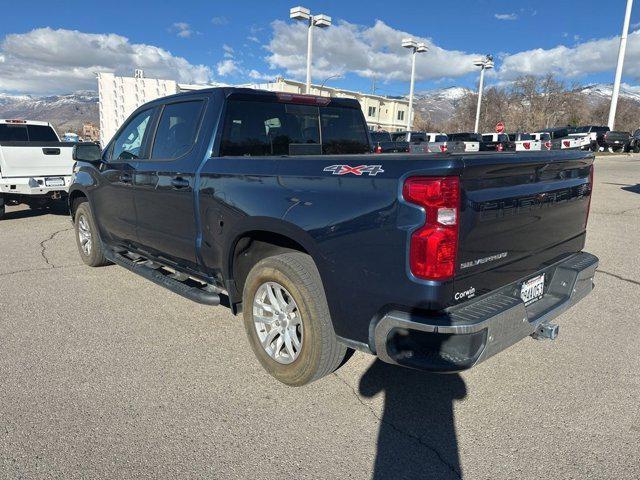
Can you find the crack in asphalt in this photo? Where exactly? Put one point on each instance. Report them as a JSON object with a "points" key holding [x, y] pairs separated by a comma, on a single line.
{"points": [[624, 279], [43, 246], [41, 269], [397, 429]]}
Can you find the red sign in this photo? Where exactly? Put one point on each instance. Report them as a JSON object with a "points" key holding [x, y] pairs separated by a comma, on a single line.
{"points": [[499, 127]]}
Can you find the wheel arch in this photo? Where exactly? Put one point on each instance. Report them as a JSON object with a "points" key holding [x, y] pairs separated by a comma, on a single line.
{"points": [[259, 241], [76, 196]]}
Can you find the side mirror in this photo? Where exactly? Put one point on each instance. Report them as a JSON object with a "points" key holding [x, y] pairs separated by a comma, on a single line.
{"points": [[87, 152]]}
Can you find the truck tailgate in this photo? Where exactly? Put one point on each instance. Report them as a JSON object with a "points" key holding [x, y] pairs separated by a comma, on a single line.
{"points": [[20, 159], [519, 214]]}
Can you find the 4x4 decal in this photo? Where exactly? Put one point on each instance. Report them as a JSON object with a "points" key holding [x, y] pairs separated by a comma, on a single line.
{"points": [[372, 170]]}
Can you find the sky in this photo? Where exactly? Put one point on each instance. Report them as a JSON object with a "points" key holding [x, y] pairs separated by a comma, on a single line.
{"points": [[56, 47]]}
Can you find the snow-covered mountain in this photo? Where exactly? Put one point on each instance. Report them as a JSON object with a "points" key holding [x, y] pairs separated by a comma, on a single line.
{"points": [[599, 91], [66, 112], [439, 104]]}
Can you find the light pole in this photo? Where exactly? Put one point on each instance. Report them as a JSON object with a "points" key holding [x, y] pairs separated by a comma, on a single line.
{"points": [[618, 78], [484, 64], [415, 48], [322, 21], [327, 79]]}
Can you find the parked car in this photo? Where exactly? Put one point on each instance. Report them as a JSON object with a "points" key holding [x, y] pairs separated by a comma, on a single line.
{"points": [[615, 141], [544, 139], [438, 142], [382, 143], [560, 139], [591, 136], [464, 141], [525, 142], [272, 204], [411, 137], [35, 167], [496, 142], [634, 142]]}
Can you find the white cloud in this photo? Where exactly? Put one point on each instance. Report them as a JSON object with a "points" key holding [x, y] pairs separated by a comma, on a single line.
{"points": [[586, 58], [369, 52], [47, 61], [218, 21], [228, 51], [228, 67], [182, 29], [256, 75], [507, 16], [253, 38]]}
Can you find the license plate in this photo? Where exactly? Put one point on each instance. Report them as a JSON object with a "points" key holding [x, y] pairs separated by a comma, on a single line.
{"points": [[54, 182], [532, 290]]}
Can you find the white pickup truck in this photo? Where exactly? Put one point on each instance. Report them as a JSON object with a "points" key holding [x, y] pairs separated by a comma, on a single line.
{"points": [[525, 142], [35, 167]]}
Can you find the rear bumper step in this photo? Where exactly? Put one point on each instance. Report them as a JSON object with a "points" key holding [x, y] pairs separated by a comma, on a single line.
{"points": [[170, 280], [468, 334]]}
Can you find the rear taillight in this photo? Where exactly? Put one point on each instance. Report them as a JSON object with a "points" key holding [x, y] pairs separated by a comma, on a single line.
{"points": [[527, 145], [547, 145], [566, 143], [499, 147], [590, 196], [433, 249], [378, 149], [443, 148]]}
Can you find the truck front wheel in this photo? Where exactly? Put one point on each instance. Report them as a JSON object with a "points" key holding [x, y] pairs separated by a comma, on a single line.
{"points": [[287, 319], [89, 244]]}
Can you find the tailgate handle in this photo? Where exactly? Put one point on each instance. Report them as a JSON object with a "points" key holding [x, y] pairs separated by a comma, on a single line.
{"points": [[179, 183], [51, 151]]}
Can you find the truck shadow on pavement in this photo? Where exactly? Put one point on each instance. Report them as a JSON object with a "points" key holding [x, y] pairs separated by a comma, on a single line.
{"points": [[29, 213], [632, 188], [417, 437]]}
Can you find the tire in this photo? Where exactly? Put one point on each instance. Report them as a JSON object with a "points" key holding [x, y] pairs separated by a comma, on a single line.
{"points": [[2, 207], [84, 223], [636, 148], [318, 352]]}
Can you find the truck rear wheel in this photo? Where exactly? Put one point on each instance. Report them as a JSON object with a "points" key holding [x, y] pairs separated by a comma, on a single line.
{"points": [[2, 207], [287, 319], [89, 244]]}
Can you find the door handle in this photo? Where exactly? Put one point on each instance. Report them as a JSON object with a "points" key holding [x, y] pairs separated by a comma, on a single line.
{"points": [[125, 177], [179, 183]]}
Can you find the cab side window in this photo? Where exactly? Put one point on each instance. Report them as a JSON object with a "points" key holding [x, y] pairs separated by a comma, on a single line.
{"points": [[177, 130], [129, 144]]}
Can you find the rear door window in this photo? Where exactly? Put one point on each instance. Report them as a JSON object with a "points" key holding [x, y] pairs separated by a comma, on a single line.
{"points": [[487, 138], [177, 129]]}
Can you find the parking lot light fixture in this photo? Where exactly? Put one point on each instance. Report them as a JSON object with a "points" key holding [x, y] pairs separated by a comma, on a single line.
{"points": [[485, 63], [415, 48], [322, 21]]}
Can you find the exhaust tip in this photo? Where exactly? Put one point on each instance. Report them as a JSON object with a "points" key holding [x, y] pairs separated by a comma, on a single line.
{"points": [[546, 331]]}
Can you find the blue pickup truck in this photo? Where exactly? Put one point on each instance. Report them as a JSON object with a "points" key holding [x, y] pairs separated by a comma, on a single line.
{"points": [[273, 205]]}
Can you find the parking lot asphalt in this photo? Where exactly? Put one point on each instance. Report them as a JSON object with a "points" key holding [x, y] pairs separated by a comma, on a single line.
{"points": [[105, 375]]}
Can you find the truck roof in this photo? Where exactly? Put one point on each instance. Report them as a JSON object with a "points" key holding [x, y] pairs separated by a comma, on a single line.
{"points": [[24, 122], [267, 95]]}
